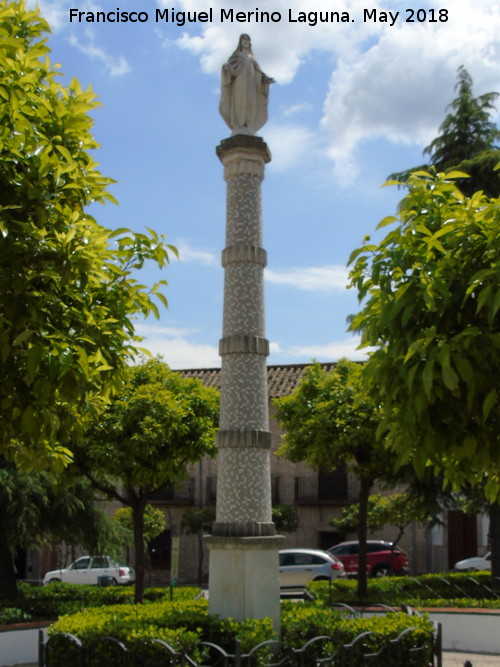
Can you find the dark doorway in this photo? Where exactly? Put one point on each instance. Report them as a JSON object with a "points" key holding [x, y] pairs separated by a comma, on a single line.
{"points": [[160, 550], [462, 536]]}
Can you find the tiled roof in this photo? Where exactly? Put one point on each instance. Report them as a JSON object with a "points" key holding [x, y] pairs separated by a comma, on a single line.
{"points": [[281, 380]]}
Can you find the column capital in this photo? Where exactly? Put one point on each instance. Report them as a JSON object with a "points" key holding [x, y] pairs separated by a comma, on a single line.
{"points": [[243, 155], [244, 143]]}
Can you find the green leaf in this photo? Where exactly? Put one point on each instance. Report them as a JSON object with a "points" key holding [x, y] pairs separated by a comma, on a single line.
{"points": [[450, 378], [388, 220], [489, 402], [428, 376], [35, 354]]}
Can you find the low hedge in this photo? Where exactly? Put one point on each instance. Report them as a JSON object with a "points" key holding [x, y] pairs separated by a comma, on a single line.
{"points": [[52, 601], [465, 589], [184, 624]]}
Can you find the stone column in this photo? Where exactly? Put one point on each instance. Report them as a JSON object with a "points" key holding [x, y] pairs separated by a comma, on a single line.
{"points": [[243, 547]]}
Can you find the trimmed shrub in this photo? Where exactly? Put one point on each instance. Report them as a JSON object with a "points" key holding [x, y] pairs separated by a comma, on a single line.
{"points": [[302, 623], [57, 599], [184, 624], [417, 591]]}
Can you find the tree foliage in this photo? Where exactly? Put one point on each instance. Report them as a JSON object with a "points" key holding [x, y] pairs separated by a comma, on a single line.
{"points": [[68, 294], [153, 427], [42, 508], [154, 522], [395, 509], [330, 421], [431, 292], [468, 140]]}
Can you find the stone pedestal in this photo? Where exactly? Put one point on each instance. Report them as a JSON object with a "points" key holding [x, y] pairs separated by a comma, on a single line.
{"points": [[243, 574], [243, 577]]}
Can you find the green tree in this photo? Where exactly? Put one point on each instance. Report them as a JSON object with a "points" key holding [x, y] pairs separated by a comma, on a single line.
{"points": [[43, 508], [152, 428], [154, 524], [395, 509], [68, 295], [431, 297], [468, 140], [329, 421]]}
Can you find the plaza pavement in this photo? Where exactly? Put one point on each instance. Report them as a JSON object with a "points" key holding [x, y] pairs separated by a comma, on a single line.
{"points": [[456, 659]]}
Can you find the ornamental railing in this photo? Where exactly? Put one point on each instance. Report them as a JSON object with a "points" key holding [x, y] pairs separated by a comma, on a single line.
{"points": [[63, 649]]}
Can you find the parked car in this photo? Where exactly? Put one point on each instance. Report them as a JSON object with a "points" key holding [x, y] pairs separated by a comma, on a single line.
{"points": [[382, 558], [88, 569], [475, 563], [299, 566]]}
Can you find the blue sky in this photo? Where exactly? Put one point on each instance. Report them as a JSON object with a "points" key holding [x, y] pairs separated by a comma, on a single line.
{"points": [[353, 102]]}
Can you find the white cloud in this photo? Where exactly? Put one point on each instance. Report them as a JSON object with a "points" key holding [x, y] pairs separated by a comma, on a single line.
{"points": [[389, 82], [189, 254], [316, 278], [327, 352], [54, 12], [175, 347], [291, 145], [298, 109], [115, 65]]}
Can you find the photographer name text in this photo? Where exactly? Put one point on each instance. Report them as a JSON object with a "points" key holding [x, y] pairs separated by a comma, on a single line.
{"points": [[311, 18]]}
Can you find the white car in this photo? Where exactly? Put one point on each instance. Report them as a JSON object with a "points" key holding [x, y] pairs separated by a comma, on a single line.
{"points": [[88, 569], [475, 563], [300, 566]]}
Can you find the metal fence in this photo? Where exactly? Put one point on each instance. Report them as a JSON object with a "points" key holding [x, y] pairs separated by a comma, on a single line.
{"points": [[63, 650]]}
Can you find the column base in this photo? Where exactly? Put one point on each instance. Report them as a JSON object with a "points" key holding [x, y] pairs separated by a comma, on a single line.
{"points": [[244, 577]]}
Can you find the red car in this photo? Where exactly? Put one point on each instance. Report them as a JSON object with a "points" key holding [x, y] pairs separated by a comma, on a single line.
{"points": [[382, 558]]}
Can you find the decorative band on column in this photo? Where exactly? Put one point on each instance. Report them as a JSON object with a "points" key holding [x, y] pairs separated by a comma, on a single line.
{"points": [[244, 253], [244, 529], [244, 438], [243, 145], [243, 344]]}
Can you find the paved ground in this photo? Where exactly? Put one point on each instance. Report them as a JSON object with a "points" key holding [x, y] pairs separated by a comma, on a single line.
{"points": [[455, 659]]}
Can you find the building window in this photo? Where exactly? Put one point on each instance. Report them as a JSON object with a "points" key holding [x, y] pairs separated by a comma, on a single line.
{"points": [[332, 485], [179, 493], [325, 487]]}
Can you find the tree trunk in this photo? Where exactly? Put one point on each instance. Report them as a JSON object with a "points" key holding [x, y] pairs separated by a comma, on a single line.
{"points": [[8, 586], [201, 555], [494, 512], [364, 494], [138, 507]]}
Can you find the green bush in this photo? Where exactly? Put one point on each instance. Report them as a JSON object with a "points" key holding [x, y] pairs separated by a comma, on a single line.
{"points": [[301, 623], [57, 599], [394, 591], [183, 624], [12, 615]]}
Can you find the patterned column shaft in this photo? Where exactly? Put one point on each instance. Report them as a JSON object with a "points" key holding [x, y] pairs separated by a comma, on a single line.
{"points": [[244, 478]]}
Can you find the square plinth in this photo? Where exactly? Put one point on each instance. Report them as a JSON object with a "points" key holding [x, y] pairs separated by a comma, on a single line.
{"points": [[244, 577]]}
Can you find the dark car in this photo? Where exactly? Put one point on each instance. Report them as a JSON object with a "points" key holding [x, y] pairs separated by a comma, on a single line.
{"points": [[382, 558]]}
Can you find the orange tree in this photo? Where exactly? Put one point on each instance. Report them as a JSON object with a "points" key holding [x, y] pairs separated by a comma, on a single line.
{"points": [[431, 299], [330, 421], [155, 425], [68, 295]]}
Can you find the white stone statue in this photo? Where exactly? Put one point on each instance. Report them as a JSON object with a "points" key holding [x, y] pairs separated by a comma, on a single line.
{"points": [[244, 90]]}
